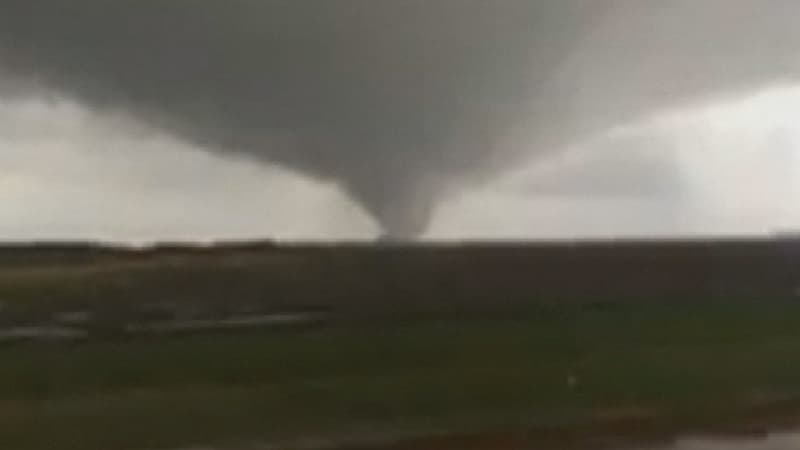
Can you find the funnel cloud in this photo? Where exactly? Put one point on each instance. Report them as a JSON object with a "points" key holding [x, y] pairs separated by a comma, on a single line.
{"points": [[397, 101]]}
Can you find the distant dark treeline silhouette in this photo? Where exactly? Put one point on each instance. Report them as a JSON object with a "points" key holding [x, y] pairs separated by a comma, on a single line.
{"points": [[393, 277]]}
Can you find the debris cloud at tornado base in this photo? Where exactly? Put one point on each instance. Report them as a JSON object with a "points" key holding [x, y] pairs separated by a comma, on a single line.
{"points": [[397, 101]]}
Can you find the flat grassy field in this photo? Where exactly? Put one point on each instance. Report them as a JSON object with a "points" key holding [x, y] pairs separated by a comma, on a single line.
{"points": [[556, 366]]}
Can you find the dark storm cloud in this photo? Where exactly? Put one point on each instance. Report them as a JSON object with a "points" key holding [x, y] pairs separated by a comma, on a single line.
{"points": [[393, 99], [370, 93]]}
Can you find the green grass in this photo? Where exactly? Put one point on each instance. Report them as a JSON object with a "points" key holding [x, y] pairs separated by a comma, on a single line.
{"points": [[413, 376]]}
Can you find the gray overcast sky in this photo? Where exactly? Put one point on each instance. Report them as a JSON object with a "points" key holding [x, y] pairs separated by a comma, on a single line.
{"points": [[733, 167], [146, 119]]}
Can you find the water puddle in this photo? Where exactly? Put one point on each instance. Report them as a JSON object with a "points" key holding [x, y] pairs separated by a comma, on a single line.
{"points": [[41, 333], [230, 323], [77, 325]]}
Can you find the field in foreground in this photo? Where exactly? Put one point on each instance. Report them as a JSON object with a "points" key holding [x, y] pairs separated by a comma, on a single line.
{"points": [[543, 368]]}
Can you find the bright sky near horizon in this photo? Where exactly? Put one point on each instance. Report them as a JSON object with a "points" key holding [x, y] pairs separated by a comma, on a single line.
{"points": [[733, 167]]}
